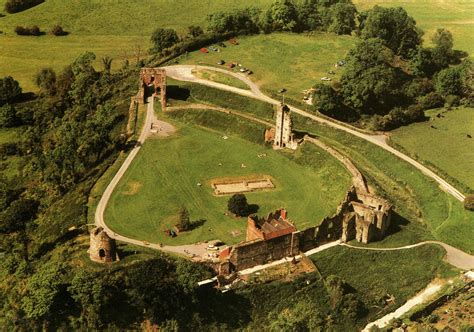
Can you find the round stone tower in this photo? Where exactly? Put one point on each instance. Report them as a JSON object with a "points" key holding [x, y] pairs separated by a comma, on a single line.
{"points": [[102, 247]]}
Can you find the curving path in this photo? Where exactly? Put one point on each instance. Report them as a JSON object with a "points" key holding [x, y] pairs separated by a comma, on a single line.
{"points": [[183, 73]]}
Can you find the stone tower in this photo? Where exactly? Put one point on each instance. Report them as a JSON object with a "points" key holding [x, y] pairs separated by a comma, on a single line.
{"points": [[284, 137], [102, 247]]}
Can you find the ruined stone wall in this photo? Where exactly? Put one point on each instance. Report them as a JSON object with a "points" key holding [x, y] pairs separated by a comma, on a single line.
{"points": [[250, 254]]}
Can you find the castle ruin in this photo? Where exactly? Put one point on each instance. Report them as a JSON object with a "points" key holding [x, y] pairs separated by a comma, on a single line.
{"points": [[360, 216], [156, 78], [102, 248], [284, 137]]}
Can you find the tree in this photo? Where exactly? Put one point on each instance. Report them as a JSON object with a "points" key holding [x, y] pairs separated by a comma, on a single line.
{"points": [[43, 292], [394, 27], [443, 50], [238, 21], [448, 82], [194, 31], [283, 16], [163, 38], [369, 83], [9, 89], [88, 292], [238, 205], [328, 102], [17, 215], [309, 17], [343, 18], [46, 80], [8, 117], [184, 221], [422, 62], [189, 274]]}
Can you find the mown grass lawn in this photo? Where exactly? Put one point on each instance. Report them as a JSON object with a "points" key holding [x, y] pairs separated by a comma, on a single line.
{"points": [[443, 141], [283, 60], [165, 174]]}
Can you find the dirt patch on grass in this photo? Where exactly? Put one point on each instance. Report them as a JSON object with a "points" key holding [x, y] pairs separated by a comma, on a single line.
{"points": [[132, 188]]}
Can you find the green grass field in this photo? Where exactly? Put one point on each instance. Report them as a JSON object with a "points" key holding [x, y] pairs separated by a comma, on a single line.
{"points": [[454, 15], [446, 146], [165, 174], [105, 27], [293, 61]]}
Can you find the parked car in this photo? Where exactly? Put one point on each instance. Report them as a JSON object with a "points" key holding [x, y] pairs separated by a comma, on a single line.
{"points": [[204, 50], [221, 62], [249, 72], [243, 70], [283, 90], [231, 65], [221, 44], [332, 72], [325, 78], [213, 49]]}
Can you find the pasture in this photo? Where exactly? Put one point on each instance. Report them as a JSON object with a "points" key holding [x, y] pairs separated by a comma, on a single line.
{"points": [[446, 141], [166, 173], [282, 60]]}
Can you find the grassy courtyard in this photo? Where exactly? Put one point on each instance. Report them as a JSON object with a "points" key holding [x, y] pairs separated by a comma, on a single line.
{"points": [[166, 173], [443, 141]]}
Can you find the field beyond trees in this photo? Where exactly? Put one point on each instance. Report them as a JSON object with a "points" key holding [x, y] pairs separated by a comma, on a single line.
{"points": [[165, 176], [443, 141]]}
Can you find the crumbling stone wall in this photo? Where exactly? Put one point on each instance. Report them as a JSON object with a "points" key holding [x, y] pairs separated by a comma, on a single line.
{"points": [[253, 253]]}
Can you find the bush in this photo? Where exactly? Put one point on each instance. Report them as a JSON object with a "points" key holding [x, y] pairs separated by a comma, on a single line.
{"points": [[163, 39], [15, 6], [8, 117], [469, 202], [28, 31], [58, 30]]}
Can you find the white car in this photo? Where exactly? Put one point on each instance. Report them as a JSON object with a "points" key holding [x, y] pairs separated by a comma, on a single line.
{"points": [[325, 78]]}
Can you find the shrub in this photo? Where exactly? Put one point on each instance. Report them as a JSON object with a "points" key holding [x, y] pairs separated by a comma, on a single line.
{"points": [[8, 117], [28, 31], [469, 202], [15, 6], [58, 30]]}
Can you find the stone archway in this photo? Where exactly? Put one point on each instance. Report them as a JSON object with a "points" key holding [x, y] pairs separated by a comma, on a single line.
{"points": [[156, 78]]}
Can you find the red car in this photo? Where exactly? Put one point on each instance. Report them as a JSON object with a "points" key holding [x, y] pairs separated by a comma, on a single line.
{"points": [[204, 50]]}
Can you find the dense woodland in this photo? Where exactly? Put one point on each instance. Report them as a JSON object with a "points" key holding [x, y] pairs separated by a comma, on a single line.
{"points": [[73, 129]]}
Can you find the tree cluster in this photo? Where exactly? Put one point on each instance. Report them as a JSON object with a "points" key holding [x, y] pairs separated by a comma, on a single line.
{"points": [[15, 6], [390, 79]]}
